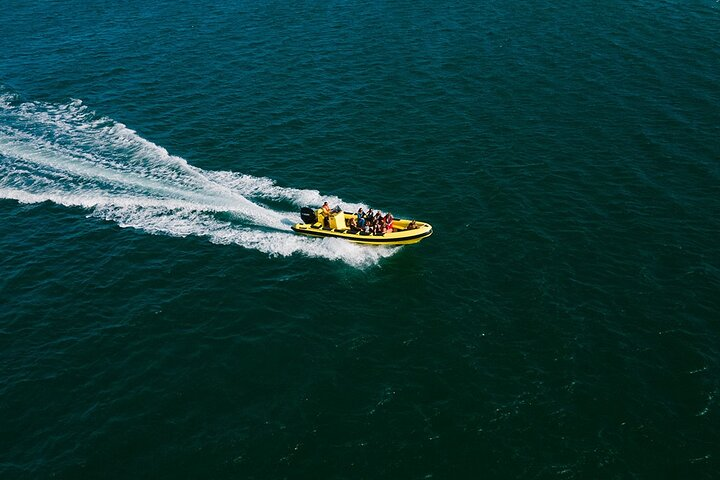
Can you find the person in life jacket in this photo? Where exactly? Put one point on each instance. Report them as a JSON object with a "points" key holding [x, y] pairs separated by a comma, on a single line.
{"points": [[326, 214]]}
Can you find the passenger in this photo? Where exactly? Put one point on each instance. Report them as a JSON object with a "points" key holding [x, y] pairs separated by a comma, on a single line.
{"points": [[360, 218], [412, 225], [378, 225], [352, 224], [370, 219], [388, 221]]}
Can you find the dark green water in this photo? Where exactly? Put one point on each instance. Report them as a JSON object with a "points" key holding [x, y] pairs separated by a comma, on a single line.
{"points": [[158, 319]]}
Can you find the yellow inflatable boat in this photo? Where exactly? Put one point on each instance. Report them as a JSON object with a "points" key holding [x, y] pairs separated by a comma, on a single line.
{"points": [[336, 225]]}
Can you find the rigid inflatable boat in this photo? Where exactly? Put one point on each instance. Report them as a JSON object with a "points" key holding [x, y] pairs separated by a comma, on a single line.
{"points": [[335, 225]]}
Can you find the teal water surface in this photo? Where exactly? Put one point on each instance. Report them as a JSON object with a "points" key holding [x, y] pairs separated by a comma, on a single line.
{"points": [[159, 319]]}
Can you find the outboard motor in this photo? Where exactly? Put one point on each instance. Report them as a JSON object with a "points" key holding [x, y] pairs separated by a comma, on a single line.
{"points": [[308, 215]]}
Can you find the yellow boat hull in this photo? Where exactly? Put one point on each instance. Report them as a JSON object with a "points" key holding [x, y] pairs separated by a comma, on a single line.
{"points": [[399, 236]]}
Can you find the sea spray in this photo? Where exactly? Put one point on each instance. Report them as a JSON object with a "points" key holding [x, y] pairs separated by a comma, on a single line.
{"points": [[69, 155]]}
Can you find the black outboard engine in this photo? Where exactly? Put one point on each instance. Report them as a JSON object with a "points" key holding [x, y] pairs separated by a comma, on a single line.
{"points": [[308, 215]]}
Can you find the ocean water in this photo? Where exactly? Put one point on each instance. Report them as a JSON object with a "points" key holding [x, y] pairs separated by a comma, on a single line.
{"points": [[159, 319]]}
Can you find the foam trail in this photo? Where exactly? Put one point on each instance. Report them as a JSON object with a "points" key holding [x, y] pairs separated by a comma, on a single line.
{"points": [[68, 155]]}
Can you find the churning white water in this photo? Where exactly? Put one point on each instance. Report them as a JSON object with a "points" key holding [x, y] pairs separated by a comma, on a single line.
{"points": [[69, 155]]}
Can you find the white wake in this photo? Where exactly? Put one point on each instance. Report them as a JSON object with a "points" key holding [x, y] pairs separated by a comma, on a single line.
{"points": [[69, 155]]}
